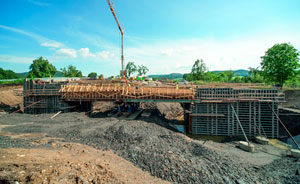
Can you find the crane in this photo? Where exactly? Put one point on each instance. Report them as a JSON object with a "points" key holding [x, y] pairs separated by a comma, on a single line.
{"points": [[110, 4]]}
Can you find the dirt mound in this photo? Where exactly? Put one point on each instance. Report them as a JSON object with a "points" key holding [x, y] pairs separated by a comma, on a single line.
{"points": [[161, 152], [68, 163], [170, 110], [9, 99], [292, 98], [102, 106]]}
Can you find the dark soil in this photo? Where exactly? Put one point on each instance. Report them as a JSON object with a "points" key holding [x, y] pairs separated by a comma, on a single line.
{"points": [[160, 151]]}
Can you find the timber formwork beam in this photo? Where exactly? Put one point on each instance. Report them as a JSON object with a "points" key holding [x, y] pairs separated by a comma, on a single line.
{"points": [[125, 92]]}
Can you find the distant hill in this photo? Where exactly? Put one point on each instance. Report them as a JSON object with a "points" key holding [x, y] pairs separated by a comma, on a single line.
{"points": [[168, 76], [24, 74], [240, 72]]}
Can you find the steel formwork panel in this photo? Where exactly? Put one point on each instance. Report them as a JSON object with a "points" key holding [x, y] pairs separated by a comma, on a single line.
{"points": [[256, 119]]}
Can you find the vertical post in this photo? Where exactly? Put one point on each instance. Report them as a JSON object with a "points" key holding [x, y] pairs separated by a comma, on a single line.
{"points": [[122, 57], [273, 120], [228, 119], [259, 118], [250, 116]]}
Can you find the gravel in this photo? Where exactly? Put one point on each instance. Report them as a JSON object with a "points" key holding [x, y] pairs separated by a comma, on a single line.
{"points": [[163, 153]]}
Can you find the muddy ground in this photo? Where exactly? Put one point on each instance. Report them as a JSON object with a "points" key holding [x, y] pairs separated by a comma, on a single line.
{"points": [[148, 145]]}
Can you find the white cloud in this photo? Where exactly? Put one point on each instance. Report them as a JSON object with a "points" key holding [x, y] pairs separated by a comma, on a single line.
{"points": [[105, 54], [172, 56], [69, 53], [51, 44], [15, 59], [167, 52], [85, 52]]}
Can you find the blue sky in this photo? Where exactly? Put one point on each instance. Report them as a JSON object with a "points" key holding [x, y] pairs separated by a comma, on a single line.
{"points": [[167, 36]]}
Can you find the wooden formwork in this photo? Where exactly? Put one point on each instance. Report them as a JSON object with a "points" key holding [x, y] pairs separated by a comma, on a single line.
{"points": [[119, 92]]}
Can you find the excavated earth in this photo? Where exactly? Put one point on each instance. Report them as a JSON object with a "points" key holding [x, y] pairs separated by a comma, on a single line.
{"points": [[149, 146]]}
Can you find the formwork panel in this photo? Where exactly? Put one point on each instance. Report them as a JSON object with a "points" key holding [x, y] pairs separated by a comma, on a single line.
{"points": [[42, 97], [256, 118]]}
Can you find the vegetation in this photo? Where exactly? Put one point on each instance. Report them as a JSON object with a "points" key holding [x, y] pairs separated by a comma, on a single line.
{"points": [[142, 70], [41, 68], [17, 81], [7, 74], [71, 71], [200, 72], [280, 63], [131, 68], [92, 75]]}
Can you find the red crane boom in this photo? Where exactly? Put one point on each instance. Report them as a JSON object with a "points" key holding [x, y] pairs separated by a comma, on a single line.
{"points": [[109, 2]]}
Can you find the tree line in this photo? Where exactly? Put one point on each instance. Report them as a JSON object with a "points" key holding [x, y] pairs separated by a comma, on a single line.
{"points": [[279, 66]]}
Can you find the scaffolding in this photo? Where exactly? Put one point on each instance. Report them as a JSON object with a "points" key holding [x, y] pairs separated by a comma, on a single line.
{"points": [[209, 110], [215, 115], [76, 92], [42, 97]]}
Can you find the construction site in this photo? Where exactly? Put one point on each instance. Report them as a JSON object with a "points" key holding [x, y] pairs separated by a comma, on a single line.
{"points": [[93, 131], [207, 110], [124, 130]]}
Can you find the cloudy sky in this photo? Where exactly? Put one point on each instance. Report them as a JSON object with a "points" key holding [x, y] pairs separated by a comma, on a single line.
{"points": [[167, 36]]}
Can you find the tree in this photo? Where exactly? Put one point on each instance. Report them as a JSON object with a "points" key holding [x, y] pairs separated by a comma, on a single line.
{"points": [[229, 74], [7, 74], [142, 70], [92, 75], [41, 68], [198, 70], [255, 75], [280, 63], [131, 68], [71, 71]]}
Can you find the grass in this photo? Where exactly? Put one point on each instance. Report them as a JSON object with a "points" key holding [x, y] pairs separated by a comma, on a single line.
{"points": [[17, 81]]}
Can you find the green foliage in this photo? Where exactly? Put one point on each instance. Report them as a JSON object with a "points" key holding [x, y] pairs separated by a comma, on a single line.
{"points": [[280, 63], [142, 70], [17, 81], [101, 76], [293, 83], [71, 71], [154, 78], [255, 75], [131, 68], [228, 76], [7, 74], [41, 68], [198, 70], [92, 75]]}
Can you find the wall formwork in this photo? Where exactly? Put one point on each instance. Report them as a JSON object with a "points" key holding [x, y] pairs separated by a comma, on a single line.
{"points": [[215, 115], [213, 111], [42, 97]]}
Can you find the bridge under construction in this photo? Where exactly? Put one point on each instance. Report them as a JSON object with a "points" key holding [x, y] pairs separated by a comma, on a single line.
{"points": [[208, 110]]}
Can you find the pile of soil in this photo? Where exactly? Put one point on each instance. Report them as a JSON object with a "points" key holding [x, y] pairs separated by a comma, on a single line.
{"points": [[171, 110], [292, 98], [68, 163], [8, 98], [163, 153], [102, 106]]}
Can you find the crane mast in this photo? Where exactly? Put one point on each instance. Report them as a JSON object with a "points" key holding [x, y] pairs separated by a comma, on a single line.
{"points": [[109, 2]]}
